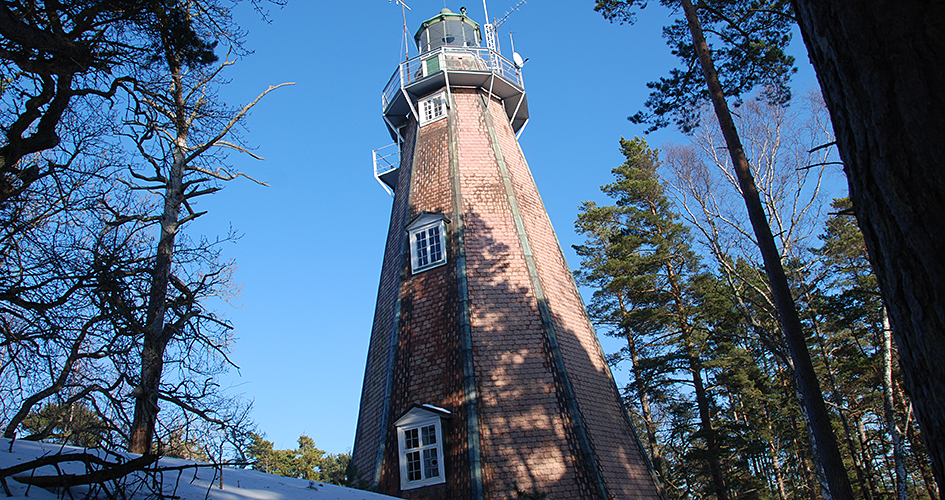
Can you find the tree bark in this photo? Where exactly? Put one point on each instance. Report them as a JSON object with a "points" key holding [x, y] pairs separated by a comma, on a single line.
{"points": [[655, 456], [156, 334], [879, 64], [705, 422], [895, 435], [830, 471]]}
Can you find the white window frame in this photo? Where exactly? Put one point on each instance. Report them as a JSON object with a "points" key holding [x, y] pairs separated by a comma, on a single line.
{"points": [[432, 108], [416, 420], [419, 231]]}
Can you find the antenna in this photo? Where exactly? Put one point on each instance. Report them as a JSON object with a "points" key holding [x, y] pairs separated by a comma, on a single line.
{"points": [[508, 13], [404, 8], [516, 57], [491, 28]]}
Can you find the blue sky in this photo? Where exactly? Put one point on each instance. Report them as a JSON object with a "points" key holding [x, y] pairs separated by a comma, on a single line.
{"points": [[310, 256]]}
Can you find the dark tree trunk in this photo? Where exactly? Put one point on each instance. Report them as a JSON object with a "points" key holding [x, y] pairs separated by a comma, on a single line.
{"points": [[826, 453], [880, 67], [646, 413], [156, 334], [705, 422]]}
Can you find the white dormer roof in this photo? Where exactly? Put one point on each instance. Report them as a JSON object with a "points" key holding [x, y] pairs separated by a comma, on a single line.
{"points": [[421, 414], [425, 218]]}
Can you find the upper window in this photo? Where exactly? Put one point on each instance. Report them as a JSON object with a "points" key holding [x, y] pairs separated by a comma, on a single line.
{"points": [[420, 445], [432, 108], [427, 241]]}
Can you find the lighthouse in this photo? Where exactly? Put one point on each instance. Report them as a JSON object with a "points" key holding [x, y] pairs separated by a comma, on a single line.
{"points": [[484, 376]]}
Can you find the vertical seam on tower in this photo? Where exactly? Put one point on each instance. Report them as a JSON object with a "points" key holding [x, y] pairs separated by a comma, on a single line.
{"points": [[546, 320], [465, 327], [610, 374], [395, 321]]}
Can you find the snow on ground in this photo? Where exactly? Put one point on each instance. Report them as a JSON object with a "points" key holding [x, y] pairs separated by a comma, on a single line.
{"points": [[188, 484]]}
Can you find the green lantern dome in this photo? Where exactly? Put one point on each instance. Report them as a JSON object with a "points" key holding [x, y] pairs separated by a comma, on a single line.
{"points": [[447, 29]]}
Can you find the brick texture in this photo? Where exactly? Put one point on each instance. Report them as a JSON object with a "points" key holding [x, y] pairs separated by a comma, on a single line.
{"points": [[618, 454], [428, 367], [370, 415], [527, 443], [528, 439]]}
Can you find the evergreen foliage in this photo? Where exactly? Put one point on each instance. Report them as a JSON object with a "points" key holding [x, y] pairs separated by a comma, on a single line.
{"points": [[304, 462], [741, 434], [73, 424], [749, 48]]}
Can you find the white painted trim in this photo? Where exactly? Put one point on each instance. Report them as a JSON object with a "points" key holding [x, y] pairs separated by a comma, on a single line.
{"points": [[422, 108], [415, 230], [414, 421]]}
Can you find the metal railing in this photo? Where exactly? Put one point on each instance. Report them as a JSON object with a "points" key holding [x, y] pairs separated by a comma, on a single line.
{"points": [[386, 159], [476, 59]]}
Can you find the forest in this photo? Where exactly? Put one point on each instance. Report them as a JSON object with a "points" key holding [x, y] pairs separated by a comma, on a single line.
{"points": [[676, 276], [792, 353]]}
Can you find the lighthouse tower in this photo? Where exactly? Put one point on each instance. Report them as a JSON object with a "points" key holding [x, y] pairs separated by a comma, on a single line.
{"points": [[484, 376]]}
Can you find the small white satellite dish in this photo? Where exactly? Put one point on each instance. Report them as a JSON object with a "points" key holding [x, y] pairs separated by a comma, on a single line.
{"points": [[517, 59]]}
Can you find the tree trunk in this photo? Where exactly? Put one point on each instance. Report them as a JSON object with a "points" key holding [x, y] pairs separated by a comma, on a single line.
{"points": [[830, 470], [867, 459], [775, 461], [705, 421], [655, 456], [879, 64], [895, 435], [810, 482], [156, 333]]}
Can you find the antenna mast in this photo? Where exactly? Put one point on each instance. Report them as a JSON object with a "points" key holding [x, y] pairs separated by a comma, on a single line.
{"points": [[490, 31], [492, 41], [404, 8]]}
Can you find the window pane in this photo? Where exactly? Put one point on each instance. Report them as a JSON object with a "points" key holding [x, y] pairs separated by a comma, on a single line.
{"points": [[411, 439], [430, 463], [436, 248], [427, 110], [429, 435], [423, 257], [413, 466]]}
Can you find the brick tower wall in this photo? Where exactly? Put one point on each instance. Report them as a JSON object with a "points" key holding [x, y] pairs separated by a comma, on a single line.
{"points": [[618, 454], [372, 413], [527, 442], [537, 367], [428, 366]]}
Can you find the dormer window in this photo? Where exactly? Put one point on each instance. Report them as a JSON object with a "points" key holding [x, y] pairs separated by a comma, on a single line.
{"points": [[432, 108], [420, 446], [427, 233]]}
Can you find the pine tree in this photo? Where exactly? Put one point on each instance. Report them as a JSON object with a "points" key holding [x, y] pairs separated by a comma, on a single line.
{"points": [[305, 462], [861, 341], [640, 258], [676, 96]]}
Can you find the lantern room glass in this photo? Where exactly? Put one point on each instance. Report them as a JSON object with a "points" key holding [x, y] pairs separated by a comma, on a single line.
{"points": [[448, 33]]}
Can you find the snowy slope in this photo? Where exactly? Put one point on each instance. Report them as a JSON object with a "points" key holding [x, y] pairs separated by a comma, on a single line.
{"points": [[187, 484]]}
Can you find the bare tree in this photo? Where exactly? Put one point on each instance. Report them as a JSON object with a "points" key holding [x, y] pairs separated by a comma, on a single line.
{"points": [[787, 178], [181, 134], [95, 308]]}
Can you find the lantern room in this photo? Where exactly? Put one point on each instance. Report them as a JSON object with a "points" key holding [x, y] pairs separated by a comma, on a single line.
{"points": [[448, 29]]}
